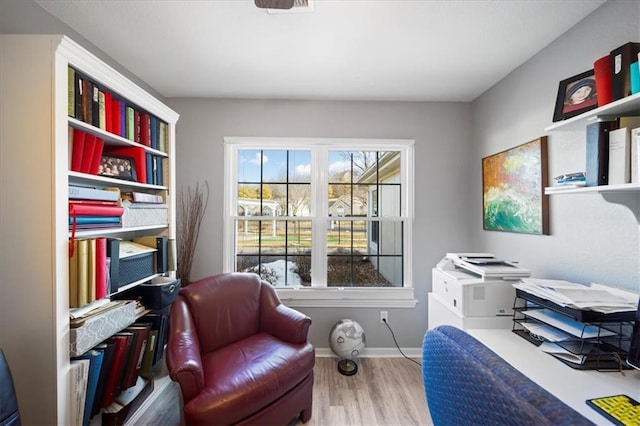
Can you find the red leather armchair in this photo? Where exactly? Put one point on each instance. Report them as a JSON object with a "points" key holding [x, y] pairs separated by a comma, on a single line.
{"points": [[239, 355]]}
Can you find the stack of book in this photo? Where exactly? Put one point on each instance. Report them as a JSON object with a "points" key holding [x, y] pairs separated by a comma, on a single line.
{"points": [[94, 208], [86, 151]]}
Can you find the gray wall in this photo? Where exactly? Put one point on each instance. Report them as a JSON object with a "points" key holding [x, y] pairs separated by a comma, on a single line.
{"points": [[442, 132], [591, 240]]}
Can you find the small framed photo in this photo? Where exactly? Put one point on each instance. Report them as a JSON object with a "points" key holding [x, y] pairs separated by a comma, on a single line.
{"points": [[117, 166], [576, 95]]}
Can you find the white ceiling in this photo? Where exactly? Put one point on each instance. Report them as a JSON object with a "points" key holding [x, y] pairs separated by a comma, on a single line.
{"points": [[345, 50]]}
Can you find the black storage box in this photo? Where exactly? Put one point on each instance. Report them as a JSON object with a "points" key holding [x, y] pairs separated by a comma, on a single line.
{"points": [[134, 268], [158, 293]]}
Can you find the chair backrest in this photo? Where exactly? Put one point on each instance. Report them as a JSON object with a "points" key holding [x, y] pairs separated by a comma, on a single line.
{"points": [[467, 383], [9, 413], [225, 308]]}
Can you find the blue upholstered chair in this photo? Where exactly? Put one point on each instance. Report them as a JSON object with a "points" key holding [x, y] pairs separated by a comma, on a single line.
{"points": [[468, 384]]}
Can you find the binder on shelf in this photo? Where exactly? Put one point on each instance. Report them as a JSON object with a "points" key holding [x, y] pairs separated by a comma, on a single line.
{"points": [[602, 74], [635, 155], [621, 60], [161, 245], [113, 253], [619, 156], [597, 161], [95, 358], [107, 350]]}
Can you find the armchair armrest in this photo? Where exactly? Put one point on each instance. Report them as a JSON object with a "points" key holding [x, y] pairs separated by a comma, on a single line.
{"points": [[183, 352], [282, 321]]}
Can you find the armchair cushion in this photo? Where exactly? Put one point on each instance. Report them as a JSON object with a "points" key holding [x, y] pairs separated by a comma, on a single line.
{"points": [[238, 354]]}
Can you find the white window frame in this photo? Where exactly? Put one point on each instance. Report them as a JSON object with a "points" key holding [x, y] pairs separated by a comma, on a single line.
{"points": [[319, 295]]}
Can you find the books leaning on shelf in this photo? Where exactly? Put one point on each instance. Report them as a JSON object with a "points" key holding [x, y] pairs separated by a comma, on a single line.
{"points": [[86, 151]]}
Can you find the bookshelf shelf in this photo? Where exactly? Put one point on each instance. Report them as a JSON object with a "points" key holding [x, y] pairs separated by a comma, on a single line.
{"points": [[37, 148]]}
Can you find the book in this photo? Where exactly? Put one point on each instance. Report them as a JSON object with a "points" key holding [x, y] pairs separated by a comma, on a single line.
{"points": [[102, 111], [91, 273], [619, 156], [136, 126], [95, 210], [78, 96], [621, 59], [602, 74], [150, 171], [108, 111], [71, 92], [162, 137], [87, 155], [153, 129], [147, 359], [116, 117], [108, 350], [95, 358], [145, 130], [82, 247], [77, 149], [95, 105], [113, 254], [130, 124], [122, 342], [94, 220], [597, 158], [79, 376], [87, 91], [87, 193], [73, 279], [134, 363], [97, 156], [159, 322], [161, 245], [101, 268], [635, 155]]}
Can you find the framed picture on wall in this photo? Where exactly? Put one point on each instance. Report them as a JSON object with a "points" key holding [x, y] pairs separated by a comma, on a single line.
{"points": [[576, 95], [513, 183]]}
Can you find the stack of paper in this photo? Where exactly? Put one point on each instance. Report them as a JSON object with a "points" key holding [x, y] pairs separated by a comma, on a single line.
{"points": [[596, 297]]}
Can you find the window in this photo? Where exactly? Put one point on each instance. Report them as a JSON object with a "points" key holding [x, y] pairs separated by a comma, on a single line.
{"points": [[324, 215]]}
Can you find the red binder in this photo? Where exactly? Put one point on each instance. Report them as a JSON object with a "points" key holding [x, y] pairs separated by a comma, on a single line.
{"points": [[77, 149]]}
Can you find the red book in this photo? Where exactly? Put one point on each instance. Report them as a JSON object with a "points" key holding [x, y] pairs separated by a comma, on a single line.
{"points": [[101, 268], [77, 149], [93, 210], [134, 362], [87, 155], [97, 155], [139, 159], [602, 73], [145, 129], [122, 341], [108, 111], [116, 117]]}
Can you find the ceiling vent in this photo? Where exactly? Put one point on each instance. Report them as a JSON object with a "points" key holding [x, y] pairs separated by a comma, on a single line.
{"points": [[286, 6]]}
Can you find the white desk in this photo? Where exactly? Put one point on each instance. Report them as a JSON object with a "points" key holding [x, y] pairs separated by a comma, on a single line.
{"points": [[571, 386]]}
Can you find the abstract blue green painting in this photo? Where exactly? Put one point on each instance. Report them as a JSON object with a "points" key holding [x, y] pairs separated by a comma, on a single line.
{"points": [[513, 183]]}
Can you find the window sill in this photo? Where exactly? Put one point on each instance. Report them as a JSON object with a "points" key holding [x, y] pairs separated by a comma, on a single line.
{"points": [[320, 297]]}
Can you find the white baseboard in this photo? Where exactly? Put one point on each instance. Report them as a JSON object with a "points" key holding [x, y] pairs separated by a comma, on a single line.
{"points": [[376, 352]]}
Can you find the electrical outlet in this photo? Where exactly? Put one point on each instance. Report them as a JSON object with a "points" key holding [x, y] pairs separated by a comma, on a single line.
{"points": [[384, 317]]}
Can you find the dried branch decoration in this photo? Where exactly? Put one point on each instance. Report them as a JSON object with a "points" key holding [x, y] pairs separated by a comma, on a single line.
{"points": [[193, 204]]}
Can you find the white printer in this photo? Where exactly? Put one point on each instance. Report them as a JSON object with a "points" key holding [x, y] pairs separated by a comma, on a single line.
{"points": [[474, 286]]}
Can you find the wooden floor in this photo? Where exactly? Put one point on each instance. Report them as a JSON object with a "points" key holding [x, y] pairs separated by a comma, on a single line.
{"points": [[385, 391]]}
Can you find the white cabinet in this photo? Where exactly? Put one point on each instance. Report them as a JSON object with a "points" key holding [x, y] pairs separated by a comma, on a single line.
{"points": [[34, 179]]}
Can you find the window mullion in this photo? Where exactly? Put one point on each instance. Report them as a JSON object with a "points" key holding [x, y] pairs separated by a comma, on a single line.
{"points": [[319, 209]]}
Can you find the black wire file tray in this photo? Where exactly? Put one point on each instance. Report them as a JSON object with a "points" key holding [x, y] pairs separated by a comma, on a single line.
{"points": [[582, 339]]}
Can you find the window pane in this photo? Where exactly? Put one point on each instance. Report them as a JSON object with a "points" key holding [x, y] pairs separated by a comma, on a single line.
{"points": [[300, 166], [351, 166], [346, 237], [389, 239], [249, 165], [271, 247], [350, 271], [389, 200]]}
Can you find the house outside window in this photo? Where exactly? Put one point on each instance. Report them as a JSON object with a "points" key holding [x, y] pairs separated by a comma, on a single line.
{"points": [[322, 219]]}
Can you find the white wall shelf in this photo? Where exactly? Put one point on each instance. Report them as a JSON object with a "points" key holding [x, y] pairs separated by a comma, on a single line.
{"points": [[626, 187], [629, 105]]}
